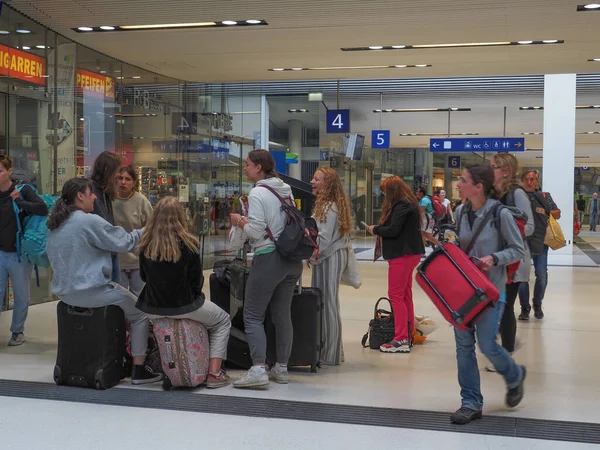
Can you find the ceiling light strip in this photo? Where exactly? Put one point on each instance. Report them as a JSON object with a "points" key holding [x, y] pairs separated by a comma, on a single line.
{"points": [[399, 66], [418, 110], [589, 7], [455, 45], [538, 108], [171, 26], [437, 134]]}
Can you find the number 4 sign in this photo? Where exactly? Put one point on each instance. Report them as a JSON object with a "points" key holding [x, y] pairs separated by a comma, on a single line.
{"points": [[338, 121], [380, 139]]}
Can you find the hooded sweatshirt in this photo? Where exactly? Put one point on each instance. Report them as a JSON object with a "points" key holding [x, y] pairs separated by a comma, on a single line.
{"points": [[264, 211]]}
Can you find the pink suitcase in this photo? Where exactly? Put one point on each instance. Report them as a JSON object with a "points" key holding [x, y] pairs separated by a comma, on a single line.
{"points": [[184, 351]]}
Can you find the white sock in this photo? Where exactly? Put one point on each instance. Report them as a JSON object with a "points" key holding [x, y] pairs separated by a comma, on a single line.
{"points": [[282, 366]]}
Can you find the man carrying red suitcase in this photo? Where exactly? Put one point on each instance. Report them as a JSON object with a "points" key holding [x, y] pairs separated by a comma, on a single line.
{"points": [[497, 245]]}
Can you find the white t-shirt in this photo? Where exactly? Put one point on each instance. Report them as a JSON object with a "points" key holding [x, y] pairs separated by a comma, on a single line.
{"points": [[446, 204]]}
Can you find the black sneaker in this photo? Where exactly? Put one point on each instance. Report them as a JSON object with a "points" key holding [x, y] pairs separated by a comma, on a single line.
{"points": [[515, 395], [143, 374], [524, 315], [465, 415], [538, 313]]}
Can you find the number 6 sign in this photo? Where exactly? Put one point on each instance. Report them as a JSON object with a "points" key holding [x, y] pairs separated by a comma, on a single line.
{"points": [[338, 121], [454, 162]]}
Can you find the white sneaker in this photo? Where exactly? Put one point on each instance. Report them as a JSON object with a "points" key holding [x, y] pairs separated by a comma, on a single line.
{"points": [[396, 347], [256, 377], [279, 375], [16, 339]]}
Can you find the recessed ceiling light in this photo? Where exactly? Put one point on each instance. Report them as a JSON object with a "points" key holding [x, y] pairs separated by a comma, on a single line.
{"points": [[421, 65], [4, 32], [401, 66], [416, 110], [45, 76], [375, 47], [525, 42], [594, 59], [23, 31], [592, 6], [119, 78], [103, 71], [550, 41], [229, 22], [80, 29], [297, 68], [351, 67], [398, 46], [253, 21], [137, 77], [537, 107], [278, 70], [453, 109], [525, 107], [40, 46], [167, 25], [25, 47], [107, 28]]}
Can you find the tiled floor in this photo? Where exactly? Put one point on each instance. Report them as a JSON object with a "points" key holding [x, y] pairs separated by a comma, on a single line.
{"points": [[75, 426], [561, 353]]}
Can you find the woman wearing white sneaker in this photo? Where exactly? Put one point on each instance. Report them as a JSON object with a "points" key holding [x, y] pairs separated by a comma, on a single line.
{"points": [[272, 278], [402, 247]]}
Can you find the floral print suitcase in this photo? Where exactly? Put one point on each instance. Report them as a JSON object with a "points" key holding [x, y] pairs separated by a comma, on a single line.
{"points": [[184, 351]]}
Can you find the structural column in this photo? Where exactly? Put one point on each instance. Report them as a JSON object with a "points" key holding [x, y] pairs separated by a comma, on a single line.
{"points": [[560, 92], [295, 145]]}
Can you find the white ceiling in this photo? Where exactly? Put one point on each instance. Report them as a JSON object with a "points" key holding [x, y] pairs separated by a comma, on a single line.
{"points": [[310, 33]]}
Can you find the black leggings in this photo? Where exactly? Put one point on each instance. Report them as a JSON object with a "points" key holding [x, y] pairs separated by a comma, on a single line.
{"points": [[508, 324]]}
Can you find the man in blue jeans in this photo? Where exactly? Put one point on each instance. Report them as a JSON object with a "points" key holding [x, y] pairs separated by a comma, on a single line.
{"points": [[540, 262], [592, 209]]}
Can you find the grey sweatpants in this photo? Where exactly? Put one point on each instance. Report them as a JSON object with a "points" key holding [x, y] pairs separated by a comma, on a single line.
{"points": [[271, 282], [115, 294], [217, 323]]}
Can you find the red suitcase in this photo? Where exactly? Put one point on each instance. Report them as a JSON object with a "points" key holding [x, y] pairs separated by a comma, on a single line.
{"points": [[456, 286]]}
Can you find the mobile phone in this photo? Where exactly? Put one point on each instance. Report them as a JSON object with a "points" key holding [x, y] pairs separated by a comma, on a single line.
{"points": [[364, 224]]}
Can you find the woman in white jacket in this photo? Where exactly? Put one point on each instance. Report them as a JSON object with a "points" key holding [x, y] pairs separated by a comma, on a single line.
{"points": [[272, 278], [332, 213]]}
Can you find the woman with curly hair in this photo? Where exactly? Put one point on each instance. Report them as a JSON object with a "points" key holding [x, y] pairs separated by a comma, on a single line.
{"points": [[332, 213]]}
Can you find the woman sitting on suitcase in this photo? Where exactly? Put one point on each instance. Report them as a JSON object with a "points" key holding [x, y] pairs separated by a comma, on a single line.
{"points": [[402, 247], [170, 266], [498, 245], [272, 278], [80, 248]]}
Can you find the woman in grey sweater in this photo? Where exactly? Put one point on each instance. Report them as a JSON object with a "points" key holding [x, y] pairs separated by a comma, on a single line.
{"points": [[79, 249], [332, 213]]}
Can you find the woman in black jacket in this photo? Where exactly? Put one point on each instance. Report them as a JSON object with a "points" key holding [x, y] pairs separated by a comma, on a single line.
{"points": [[171, 268], [104, 180], [402, 247], [13, 265]]}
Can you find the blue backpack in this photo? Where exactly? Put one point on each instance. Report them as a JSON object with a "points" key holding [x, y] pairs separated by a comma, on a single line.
{"points": [[32, 235]]}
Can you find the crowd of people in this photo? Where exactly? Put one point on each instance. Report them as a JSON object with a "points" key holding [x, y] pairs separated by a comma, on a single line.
{"points": [[108, 246]]}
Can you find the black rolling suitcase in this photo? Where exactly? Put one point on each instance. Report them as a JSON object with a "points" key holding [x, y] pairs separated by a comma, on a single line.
{"points": [[219, 293], [307, 317], [91, 346]]}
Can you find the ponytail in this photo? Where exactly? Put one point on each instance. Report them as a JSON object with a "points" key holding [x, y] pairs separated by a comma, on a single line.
{"points": [[60, 213], [65, 205]]}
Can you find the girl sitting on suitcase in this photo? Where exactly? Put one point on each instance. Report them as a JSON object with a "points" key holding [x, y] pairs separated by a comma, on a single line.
{"points": [[170, 266], [498, 245], [80, 247]]}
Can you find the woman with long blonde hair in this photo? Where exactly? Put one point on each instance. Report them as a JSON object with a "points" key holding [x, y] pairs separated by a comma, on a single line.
{"points": [[400, 232], [171, 267], [332, 213]]}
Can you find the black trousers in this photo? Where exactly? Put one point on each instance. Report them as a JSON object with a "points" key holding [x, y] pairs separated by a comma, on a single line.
{"points": [[508, 324]]}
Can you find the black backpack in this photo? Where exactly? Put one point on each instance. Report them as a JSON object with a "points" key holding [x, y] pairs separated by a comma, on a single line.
{"points": [[298, 240], [541, 213]]}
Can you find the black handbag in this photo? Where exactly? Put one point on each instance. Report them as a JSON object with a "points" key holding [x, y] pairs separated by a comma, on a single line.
{"points": [[381, 327]]}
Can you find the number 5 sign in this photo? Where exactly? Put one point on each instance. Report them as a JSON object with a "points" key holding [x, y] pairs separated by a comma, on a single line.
{"points": [[338, 121], [380, 139]]}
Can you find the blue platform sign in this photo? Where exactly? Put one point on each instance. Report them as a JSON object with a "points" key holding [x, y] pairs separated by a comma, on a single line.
{"points": [[485, 144], [380, 139], [338, 121]]}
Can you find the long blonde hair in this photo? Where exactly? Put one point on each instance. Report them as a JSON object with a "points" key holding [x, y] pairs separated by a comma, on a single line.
{"points": [[165, 232], [333, 192], [508, 162]]}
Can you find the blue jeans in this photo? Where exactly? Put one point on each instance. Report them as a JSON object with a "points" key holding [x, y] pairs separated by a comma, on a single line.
{"points": [[593, 220], [468, 371], [20, 276], [540, 264]]}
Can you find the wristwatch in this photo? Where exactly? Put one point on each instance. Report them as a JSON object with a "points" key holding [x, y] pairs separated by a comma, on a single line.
{"points": [[495, 258]]}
